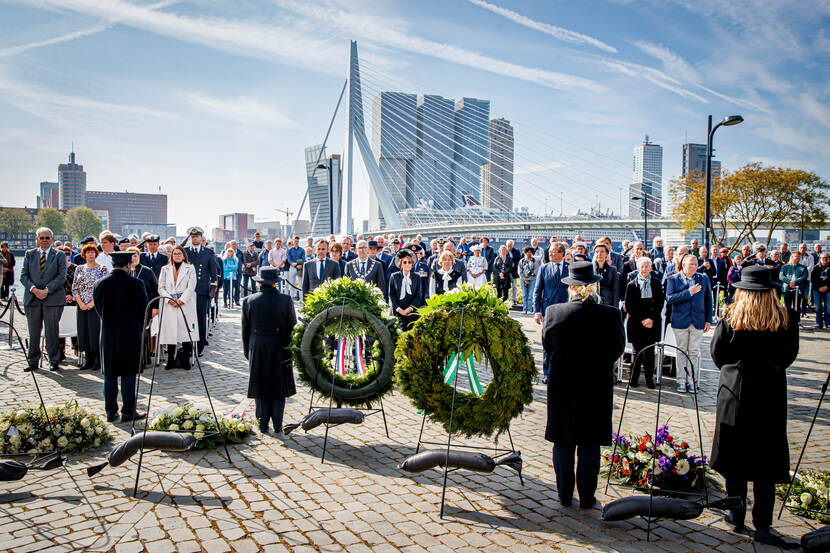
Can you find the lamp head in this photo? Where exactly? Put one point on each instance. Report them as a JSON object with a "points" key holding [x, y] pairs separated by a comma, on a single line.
{"points": [[730, 120]]}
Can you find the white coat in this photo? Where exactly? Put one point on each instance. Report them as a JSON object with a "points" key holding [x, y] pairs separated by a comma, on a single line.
{"points": [[173, 328]]}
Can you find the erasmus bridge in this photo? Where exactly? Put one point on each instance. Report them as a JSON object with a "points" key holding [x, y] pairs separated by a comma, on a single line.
{"points": [[436, 166]]}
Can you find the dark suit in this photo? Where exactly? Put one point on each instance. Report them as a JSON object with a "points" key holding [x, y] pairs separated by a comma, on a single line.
{"points": [[311, 278], [374, 273], [120, 301], [503, 275], [638, 310], [268, 318], [206, 264], [414, 299], [490, 255], [580, 389], [154, 261], [549, 290], [44, 314]]}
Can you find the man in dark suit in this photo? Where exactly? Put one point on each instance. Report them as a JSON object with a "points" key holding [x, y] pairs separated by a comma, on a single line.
{"points": [[43, 275], [268, 318], [120, 300], [550, 290], [580, 387], [488, 253], [365, 268], [153, 258], [205, 263], [319, 270]]}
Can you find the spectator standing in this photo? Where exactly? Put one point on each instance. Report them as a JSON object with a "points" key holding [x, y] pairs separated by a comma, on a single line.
{"points": [[477, 268], [43, 276], [816, 254], [820, 280], [445, 276], [177, 284], [690, 295], [528, 271], [278, 258], [489, 254], [336, 255], [503, 273], [347, 244], [108, 243], [733, 276], [753, 345], [229, 268], [153, 258], [515, 257], [237, 282], [794, 281], [257, 242], [550, 290], [405, 290], [608, 286], [319, 269], [295, 256], [785, 253], [656, 251], [644, 300], [8, 270], [263, 255], [694, 249], [250, 265], [87, 319]]}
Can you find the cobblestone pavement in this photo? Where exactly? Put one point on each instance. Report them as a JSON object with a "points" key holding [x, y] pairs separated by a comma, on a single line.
{"points": [[275, 494]]}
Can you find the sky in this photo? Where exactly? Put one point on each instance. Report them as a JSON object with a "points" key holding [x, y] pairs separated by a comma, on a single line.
{"points": [[213, 102]]}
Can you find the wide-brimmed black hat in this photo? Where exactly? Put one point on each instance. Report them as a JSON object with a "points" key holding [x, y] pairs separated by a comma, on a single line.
{"points": [[403, 252], [372, 244], [755, 277], [119, 259], [88, 240], [581, 273], [267, 275]]}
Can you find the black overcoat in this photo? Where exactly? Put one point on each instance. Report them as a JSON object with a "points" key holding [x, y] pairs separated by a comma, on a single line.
{"points": [[583, 340], [639, 309], [120, 301], [268, 319], [751, 419]]}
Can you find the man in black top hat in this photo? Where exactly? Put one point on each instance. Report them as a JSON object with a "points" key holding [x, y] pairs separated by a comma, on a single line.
{"points": [[153, 258], [580, 387], [268, 318], [204, 261], [120, 301]]}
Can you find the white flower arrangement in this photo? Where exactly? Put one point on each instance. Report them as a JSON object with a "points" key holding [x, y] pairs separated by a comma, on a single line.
{"points": [[67, 426], [199, 420], [810, 495]]}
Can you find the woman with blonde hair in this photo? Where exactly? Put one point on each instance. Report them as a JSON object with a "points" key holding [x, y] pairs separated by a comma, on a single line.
{"points": [[230, 264], [445, 277], [754, 343]]}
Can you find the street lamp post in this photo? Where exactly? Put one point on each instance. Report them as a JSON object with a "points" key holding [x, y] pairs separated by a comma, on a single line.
{"points": [[727, 121], [645, 215]]}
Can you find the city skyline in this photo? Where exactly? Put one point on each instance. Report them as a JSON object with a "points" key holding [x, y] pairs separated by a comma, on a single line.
{"points": [[580, 95]]}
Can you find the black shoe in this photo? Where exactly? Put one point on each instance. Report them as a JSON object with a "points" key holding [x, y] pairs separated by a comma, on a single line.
{"points": [[544, 379], [767, 537], [135, 417], [635, 384], [30, 368], [592, 503], [112, 418], [736, 526], [565, 502], [54, 367], [650, 385]]}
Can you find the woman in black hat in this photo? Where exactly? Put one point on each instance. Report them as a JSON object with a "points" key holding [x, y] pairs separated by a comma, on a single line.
{"points": [[580, 386], [405, 289], [754, 343], [268, 318]]}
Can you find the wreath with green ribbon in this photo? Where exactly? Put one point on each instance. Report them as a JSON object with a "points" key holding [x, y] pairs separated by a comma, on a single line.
{"points": [[345, 311], [427, 360]]}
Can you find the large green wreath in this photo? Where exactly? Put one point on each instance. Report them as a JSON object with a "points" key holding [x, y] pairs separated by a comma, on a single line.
{"points": [[423, 351], [346, 308]]}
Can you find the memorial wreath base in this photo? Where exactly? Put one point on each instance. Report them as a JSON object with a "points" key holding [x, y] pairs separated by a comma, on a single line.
{"points": [[489, 332], [199, 421], [27, 430], [347, 309]]}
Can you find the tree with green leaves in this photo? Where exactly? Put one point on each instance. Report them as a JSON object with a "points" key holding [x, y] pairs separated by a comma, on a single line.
{"points": [[750, 199], [81, 222], [14, 221], [51, 218]]}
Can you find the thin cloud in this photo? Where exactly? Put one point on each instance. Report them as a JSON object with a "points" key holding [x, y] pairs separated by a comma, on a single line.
{"points": [[565, 35], [243, 110]]}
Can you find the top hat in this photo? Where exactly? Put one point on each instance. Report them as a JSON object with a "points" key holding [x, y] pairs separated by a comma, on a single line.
{"points": [[581, 273], [403, 252], [267, 275], [754, 277]]}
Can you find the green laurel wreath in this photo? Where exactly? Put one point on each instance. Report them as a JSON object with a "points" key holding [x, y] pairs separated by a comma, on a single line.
{"points": [[423, 351], [364, 312]]}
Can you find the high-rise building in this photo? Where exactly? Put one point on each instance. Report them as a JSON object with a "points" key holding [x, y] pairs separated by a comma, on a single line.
{"points": [[319, 193], [694, 161], [128, 207], [435, 152], [497, 172], [647, 180], [49, 195], [471, 141], [72, 183]]}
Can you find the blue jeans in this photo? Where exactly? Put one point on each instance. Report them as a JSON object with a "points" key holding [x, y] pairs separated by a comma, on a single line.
{"points": [[127, 395], [248, 284], [226, 292], [822, 303], [527, 295], [236, 287], [587, 470]]}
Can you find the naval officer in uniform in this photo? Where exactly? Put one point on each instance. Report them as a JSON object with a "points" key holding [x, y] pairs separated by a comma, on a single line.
{"points": [[204, 262]]}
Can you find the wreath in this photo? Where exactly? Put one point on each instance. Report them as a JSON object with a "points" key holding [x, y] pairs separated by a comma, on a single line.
{"points": [[69, 428], [345, 311], [426, 352]]}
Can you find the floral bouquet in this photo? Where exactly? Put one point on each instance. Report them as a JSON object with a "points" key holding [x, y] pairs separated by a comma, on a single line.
{"points": [[662, 462], [810, 496], [199, 420], [28, 431]]}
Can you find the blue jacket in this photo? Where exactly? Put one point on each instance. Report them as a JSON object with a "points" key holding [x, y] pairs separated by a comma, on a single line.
{"points": [[295, 254], [550, 290], [688, 309], [263, 258]]}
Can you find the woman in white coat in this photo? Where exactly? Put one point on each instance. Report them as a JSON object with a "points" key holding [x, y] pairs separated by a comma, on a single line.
{"points": [[477, 268], [177, 288]]}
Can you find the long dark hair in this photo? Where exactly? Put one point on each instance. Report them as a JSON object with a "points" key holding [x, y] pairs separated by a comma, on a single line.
{"points": [[181, 249]]}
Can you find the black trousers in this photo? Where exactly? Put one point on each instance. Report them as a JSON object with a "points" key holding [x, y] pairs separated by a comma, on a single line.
{"points": [[89, 330], [270, 410], [762, 507], [127, 395], [587, 471], [646, 360], [202, 302]]}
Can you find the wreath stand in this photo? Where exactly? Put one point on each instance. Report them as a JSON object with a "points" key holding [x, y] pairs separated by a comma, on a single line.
{"points": [[49, 459], [369, 410], [659, 349], [147, 318], [498, 452], [804, 448]]}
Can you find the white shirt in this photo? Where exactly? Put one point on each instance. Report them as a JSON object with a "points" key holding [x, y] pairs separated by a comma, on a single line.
{"points": [[105, 260]]}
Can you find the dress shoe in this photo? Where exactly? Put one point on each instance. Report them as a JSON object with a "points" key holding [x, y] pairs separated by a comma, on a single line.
{"points": [[112, 418], [30, 368], [736, 526], [54, 367], [135, 417], [590, 504], [651, 385]]}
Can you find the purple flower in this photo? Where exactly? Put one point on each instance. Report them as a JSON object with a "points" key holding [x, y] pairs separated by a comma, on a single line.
{"points": [[662, 434], [665, 464]]}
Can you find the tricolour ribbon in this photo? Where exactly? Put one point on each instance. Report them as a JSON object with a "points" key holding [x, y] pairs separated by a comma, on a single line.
{"points": [[341, 357], [359, 362]]}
